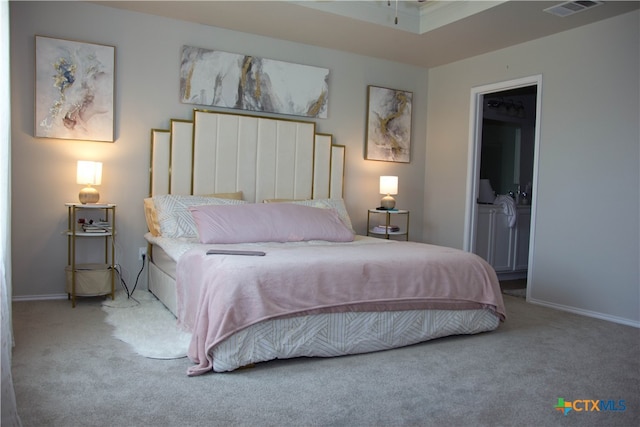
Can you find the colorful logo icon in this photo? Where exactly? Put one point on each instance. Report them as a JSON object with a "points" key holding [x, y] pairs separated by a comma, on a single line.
{"points": [[563, 406]]}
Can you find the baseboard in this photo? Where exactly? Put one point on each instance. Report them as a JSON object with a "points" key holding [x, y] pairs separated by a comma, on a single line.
{"points": [[588, 313], [512, 275], [19, 298]]}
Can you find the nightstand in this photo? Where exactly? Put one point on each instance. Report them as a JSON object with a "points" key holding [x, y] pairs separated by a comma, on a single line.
{"points": [[388, 224], [97, 221]]}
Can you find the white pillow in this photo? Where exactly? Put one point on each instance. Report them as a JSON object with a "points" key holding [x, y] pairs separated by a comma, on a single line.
{"points": [[174, 217], [335, 204]]}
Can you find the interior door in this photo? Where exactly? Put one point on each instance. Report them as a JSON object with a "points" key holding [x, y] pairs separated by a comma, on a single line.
{"points": [[527, 163]]}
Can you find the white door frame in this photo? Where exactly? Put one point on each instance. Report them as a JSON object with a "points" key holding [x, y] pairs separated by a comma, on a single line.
{"points": [[475, 145]]}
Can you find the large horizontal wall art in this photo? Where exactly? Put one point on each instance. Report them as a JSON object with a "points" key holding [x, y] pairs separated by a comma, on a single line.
{"points": [[230, 80], [388, 125], [74, 90]]}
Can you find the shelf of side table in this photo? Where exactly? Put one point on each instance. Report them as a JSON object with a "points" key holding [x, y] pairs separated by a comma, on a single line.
{"points": [[385, 228]]}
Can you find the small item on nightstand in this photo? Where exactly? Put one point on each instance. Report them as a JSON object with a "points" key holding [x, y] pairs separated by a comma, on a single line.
{"points": [[384, 229], [93, 229]]}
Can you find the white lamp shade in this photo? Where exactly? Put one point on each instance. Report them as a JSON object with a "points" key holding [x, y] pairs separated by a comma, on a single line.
{"points": [[486, 194], [89, 173], [388, 185]]}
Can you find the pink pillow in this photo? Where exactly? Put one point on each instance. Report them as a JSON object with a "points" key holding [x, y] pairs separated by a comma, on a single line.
{"points": [[268, 222]]}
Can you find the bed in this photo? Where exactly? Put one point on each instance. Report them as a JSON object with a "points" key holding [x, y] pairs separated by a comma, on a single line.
{"points": [[312, 287]]}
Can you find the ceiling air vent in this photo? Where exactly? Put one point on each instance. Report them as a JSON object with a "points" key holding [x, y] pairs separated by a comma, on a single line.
{"points": [[571, 7]]}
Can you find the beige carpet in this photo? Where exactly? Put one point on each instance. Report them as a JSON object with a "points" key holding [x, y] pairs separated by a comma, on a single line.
{"points": [[70, 371]]}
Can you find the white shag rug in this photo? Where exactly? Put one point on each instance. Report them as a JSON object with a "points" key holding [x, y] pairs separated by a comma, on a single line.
{"points": [[146, 325]]}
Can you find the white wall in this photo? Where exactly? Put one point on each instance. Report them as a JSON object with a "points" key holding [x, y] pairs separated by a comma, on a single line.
{"points": [[587, 234], [147, 95]]}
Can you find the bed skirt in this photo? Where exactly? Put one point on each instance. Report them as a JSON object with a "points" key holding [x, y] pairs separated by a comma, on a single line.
{"points": [[163, 287], [338, 334]]}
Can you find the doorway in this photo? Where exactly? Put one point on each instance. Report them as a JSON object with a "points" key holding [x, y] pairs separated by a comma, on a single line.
{"points": [[503, 150]]}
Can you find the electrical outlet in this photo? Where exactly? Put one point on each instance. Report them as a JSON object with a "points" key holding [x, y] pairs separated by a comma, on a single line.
{"points": [[142, 251]]}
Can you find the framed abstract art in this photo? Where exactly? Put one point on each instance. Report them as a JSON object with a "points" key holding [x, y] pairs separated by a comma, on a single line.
{"points": [[388, 135], [74, 90], [231, 80]]}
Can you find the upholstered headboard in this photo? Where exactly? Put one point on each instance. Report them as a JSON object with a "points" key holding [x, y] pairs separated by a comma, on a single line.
{"points": [[264, 157]]}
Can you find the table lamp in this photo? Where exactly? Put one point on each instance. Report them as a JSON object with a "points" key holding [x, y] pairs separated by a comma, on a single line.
{"points": [[388, 186], [89, 173], [485, 192]]}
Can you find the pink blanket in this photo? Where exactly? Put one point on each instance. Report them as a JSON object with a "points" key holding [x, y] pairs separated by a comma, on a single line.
{"points": [[219, 295]]}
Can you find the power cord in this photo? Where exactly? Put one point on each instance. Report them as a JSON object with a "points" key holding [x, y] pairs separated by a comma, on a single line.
{"points": [[117, 268], [144, 257], [103, 224]]}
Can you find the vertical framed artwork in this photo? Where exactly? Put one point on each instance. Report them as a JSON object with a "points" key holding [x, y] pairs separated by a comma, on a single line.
{"points": [[74, 90], [388, 135]]}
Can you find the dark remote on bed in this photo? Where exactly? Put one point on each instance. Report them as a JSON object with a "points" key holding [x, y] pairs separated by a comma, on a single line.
{"points": [[234, 252]]}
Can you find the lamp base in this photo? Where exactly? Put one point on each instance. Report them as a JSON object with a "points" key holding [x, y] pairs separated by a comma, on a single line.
{"points": [[89, 195], [388, 202]]}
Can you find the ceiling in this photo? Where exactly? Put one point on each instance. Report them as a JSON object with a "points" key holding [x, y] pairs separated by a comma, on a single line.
{"points": [[428, 33]]}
